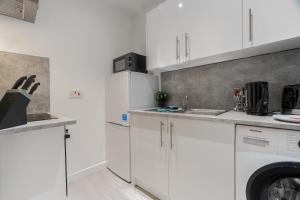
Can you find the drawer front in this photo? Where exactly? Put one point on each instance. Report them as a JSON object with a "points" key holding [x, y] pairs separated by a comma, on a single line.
{"points": [[257, 139]]}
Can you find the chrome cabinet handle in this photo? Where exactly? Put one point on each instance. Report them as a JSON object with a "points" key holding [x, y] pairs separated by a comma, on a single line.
{"points": [[171, 135], [161, 133], [250, 25], [262, 142], [187, 46], [256, 131], [178, 49], [177, 52]]}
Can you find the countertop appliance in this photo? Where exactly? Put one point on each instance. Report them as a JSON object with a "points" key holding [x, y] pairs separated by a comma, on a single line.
{"points": [[130, 62], [257, 95], [290, 100], [125, 91], [267, 164]]}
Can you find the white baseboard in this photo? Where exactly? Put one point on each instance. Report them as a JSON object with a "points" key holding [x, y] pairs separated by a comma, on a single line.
{"points": [[87, 171]]}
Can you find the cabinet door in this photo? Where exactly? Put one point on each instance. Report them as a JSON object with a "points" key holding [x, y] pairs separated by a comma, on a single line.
{"points": [[212, 27], [118, 150], [272, 20], [162, 31], [33, 165], [149, 154], [201, 160]]}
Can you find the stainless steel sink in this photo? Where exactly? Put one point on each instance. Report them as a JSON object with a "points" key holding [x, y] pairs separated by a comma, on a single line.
{"points": [[205, 112]]}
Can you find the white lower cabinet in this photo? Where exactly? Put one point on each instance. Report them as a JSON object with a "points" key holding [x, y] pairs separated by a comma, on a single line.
{"points": [[32, 165], [201, 160], [196, 160], [150, 155]]}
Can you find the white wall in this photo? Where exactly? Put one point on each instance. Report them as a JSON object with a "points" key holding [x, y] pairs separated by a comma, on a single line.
{"points": [[81, 38], [139, 33]]}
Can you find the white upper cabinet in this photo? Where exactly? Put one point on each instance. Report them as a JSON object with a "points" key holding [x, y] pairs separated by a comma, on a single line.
{"points": [[211, 27], [189, 33], [179, 31], [162, 31], [267, 21]]}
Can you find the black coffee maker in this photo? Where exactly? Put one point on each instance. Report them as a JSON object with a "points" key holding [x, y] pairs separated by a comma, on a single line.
{"points": [[257, 94], [291, 100]]}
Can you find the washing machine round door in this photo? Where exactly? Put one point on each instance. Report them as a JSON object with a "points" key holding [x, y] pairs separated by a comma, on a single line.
{"points": [[278, 181]]}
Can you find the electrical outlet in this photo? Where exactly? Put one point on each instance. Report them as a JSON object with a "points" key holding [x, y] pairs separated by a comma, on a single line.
{"points": [[76, 94]]}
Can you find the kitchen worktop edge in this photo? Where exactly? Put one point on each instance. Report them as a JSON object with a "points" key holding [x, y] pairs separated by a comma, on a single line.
{"points": [[237, 118], [38, 125]]}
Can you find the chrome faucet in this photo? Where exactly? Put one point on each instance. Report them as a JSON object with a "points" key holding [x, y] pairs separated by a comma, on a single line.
{"points": [[185, 103]]}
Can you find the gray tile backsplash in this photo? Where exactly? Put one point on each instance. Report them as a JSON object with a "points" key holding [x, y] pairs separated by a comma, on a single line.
{"points": [[13, 66], [211, 86]]}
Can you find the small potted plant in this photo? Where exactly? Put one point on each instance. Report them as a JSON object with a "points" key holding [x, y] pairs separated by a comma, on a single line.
{"points": [[161, 98]]}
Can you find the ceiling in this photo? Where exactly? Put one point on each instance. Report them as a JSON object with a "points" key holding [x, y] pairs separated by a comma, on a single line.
{"points": [[135, 6]]}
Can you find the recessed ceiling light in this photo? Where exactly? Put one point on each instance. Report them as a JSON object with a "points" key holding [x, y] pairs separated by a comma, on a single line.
{"points": [[180, 5]]}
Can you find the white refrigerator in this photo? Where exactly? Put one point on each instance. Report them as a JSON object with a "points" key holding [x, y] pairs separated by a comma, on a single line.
{"points": [[125, 91]]}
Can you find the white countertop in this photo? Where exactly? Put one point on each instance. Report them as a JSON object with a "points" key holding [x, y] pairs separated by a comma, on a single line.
{"points": [[238, 118], [38, 125]]}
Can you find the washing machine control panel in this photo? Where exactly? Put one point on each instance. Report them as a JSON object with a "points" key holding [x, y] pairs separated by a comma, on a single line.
{"points": [[289, 144], [281, 142]]}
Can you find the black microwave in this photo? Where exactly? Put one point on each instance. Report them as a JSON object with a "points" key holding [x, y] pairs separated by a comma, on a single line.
{"points": [[130, 62]]}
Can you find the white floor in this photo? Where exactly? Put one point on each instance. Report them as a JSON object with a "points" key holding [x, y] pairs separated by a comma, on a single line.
{"points": [[104, 186]]}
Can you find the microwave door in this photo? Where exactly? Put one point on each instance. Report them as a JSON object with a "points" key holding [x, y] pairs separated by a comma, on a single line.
{"points": [[120, 65]]}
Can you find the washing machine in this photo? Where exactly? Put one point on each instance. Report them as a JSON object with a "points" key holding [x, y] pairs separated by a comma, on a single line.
{"points": [[267, 164]]}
